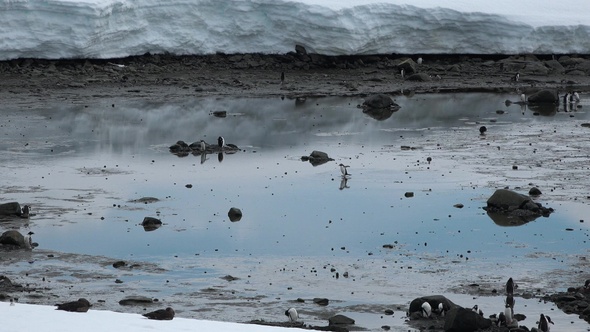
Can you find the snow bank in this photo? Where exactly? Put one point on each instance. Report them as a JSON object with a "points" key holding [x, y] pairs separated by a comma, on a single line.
{"points": [[27, 317], [118, 28]]}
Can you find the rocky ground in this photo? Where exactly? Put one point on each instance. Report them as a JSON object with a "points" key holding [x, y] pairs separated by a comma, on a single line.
{"points": [[27, 82], [169, 76]]}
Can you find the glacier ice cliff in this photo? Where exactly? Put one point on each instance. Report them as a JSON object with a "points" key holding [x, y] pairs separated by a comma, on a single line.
{"points": [[56, 29]]}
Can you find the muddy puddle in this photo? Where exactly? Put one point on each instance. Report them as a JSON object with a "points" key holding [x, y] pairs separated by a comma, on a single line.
{"points": [[365, 243]]}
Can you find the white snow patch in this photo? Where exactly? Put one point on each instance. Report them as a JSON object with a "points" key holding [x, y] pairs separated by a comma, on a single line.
{"points": [[28, 317]]}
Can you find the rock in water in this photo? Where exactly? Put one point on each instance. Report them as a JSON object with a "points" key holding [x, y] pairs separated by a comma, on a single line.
{"points": [[465, 320], [10, 209], [340, 320], [15, 240], [151, 224], [161, 314], [234, 214], [543, 97], [82, 305], [379, 101]]}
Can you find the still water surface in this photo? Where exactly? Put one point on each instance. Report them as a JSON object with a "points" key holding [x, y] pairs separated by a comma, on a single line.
{"points": [[82, 166]]}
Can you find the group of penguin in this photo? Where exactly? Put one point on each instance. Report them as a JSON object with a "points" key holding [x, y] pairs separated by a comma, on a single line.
{"points": [[505, 318]]}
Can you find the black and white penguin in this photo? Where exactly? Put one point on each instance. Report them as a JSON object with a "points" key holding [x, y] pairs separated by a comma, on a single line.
{"points": [[419, 61], [161, 314], [220, 142], [202, 145], [477, 310], [25, 211], [442, 309], [523, 98], [426, 309], [82, 305], [510, 287], [292, 314], [516, 77], [544, 322], [344, 169], [575, 97], [567, 98], [508, 315], [403, 73], [482, 130]]}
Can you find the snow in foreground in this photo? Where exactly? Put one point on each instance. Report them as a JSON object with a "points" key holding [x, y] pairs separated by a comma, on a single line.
{"points": [[118, 28], [28, 317]]}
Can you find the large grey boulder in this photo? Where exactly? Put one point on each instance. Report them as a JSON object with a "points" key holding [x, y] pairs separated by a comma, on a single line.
{"points": [[465, 320], [151, 224], [505, 204], [415, 310], [543, 96], [15, 240], [317, 158], [408, 65], [10, 209]]}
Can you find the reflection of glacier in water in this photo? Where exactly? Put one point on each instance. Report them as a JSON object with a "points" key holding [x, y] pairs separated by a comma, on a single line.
{"points": [[87, 164]]}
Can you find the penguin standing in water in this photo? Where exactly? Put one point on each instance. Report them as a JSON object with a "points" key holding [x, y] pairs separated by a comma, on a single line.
{"points": [[221, 142], [344, 170], [292, 314]]}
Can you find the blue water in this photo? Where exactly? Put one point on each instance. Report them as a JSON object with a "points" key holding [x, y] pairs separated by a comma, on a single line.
{"points": [[81, 168]]}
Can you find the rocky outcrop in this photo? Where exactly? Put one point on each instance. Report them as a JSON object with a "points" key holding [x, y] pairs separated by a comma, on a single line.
{"points": [[465, 320], [379, 107], [183, 149], [575, 301], [543, 97], [415, 310], [511, 208], [317, 158], [420, 77], [408, 65]]}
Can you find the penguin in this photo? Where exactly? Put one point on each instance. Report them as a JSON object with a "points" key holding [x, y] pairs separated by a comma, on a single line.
{"points": [[82, 305], [429, 159], [477, 310], [575, 97], [25, 211], [508, 315], [282, 78], [419, 61], [509, 302], [567, 98], [516, 77], [426, 309], [544, 322], [12, 302], [161, 314], [402, 72], [344, 170], [523, 98], [587, 284], [510, 287], [202, 145], [292, 314], [482, 130], [442, 309], [220, 142], [28, 240]]}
